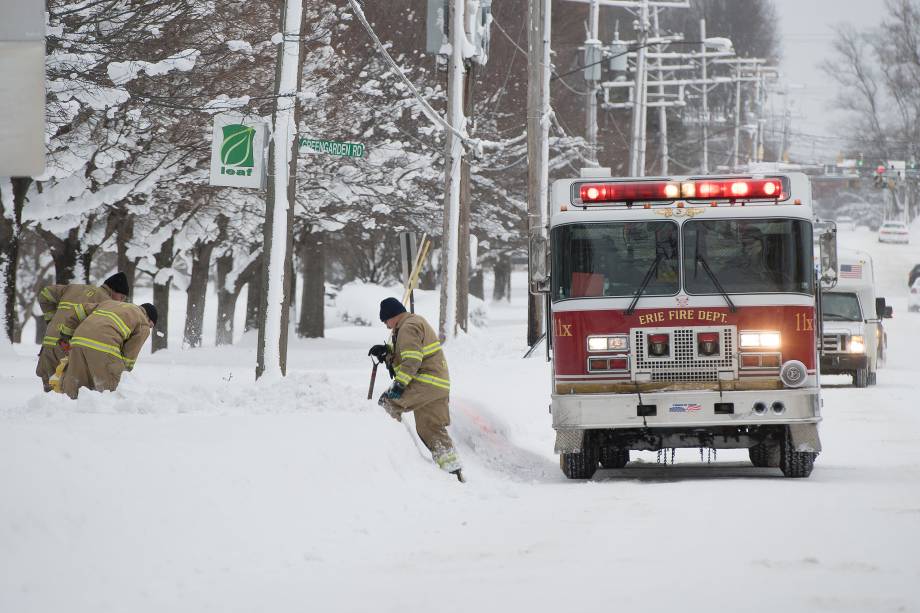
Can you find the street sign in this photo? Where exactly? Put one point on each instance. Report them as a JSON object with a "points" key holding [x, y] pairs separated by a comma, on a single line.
{"points": [[312, 146]]}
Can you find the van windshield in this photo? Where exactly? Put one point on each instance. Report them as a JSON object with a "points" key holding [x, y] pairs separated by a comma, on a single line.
{"points": [[840, 306], [748, 256], [612, 259]]}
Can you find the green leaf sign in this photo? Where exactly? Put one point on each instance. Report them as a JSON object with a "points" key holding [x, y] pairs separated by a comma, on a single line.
{"points": [[236, 150]]}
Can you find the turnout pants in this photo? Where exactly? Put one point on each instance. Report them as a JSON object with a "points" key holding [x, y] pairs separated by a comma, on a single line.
{"points": [[91, 369], [48, 359], [431, 421]]}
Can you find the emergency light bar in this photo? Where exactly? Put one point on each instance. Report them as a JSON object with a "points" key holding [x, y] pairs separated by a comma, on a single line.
{"points": [[693, 189]]}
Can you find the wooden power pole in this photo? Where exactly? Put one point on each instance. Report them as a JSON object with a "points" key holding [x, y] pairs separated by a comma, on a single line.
{"points": [[538, 71], [274, 312]]}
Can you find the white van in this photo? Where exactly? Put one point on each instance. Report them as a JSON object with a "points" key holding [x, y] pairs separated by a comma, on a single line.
{"points": [[853, 339]]}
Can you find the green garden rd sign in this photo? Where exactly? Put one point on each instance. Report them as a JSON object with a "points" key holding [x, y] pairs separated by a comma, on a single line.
{"points": [[313, 146]]}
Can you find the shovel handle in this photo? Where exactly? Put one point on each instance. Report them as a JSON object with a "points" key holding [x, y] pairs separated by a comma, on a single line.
{"points": [[370, 389]]}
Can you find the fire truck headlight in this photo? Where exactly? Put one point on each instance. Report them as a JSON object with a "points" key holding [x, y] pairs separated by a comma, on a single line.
{"points": [[857, 344], [760, 340], [793, 373], [608, 343]]}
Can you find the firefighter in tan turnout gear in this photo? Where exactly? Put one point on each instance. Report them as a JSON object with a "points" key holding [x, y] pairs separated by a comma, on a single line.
{"points": [[68, 302], [105, 345], [421, 381]]}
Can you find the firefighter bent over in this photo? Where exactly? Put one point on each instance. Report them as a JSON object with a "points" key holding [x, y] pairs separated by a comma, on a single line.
{"points": [[105, 345], [60, 303], [421, 381]]}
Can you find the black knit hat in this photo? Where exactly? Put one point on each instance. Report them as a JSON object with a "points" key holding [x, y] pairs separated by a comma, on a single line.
{"points": [[118, 283], [151, 312], [390, 307]]}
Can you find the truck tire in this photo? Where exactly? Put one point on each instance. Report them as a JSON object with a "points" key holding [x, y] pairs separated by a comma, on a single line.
{"points": [[795, 464], [764, 455], [614, 457], [873, 378], [861, 377], [581, 465]]}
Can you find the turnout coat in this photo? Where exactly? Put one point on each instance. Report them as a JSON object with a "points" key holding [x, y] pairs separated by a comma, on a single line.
{"points": [[63, 308], [419, 363], [104, 345]]}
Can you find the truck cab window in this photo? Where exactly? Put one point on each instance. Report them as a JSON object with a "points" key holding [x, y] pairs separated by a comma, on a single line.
{"points": [[841, 306], [610, 259]]}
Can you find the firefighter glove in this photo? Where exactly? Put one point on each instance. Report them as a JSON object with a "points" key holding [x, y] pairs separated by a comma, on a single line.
{"points": [[395, 391], [379, 352]]}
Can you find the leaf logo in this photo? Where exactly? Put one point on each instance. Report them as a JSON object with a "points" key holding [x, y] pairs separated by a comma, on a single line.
{"points": [[236, 149]]}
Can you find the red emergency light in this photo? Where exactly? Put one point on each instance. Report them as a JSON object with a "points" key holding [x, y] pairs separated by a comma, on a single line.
{"points": [[694, 189]]}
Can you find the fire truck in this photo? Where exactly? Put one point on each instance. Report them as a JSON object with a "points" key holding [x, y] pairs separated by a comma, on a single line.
{"points": [[682, 313]]}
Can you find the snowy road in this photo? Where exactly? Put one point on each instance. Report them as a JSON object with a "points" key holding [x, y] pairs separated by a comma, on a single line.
{"points": [[193, 489]]}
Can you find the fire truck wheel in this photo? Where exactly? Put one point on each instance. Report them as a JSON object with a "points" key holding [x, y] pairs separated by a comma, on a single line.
{"points": [[795, 464], [873, 378], [614, 457], [765, 455], [579, 465], [861, 377]]}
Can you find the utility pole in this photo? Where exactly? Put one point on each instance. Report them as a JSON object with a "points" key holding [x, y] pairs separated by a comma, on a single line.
{"points": [[640, 93], [453, 156], [737, 136], [274, 312], [463, 242], [662, 109], [538, 73], [704, 120], [593, 54]]}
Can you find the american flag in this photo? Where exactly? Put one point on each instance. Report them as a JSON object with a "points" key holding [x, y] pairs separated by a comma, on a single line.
{"points": [[851, 271], [682, 408]]}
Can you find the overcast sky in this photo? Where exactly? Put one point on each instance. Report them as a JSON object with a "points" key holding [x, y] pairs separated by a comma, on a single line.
{"points": [[807, 28]]}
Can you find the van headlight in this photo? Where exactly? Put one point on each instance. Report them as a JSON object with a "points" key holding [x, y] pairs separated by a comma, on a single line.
{"points": [[857, 344]]}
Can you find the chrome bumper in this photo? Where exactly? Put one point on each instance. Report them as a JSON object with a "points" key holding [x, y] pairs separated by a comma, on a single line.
{"points": [[689, 409]]}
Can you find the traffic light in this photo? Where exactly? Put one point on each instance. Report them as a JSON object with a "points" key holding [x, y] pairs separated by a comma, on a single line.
{"points": [[879, 177]]}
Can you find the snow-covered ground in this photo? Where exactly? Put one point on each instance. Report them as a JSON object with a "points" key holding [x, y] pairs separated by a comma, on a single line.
{"points": [[195, 489]]}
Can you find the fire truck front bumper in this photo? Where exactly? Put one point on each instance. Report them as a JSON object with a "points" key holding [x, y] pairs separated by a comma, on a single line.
{"points": [[685, 409]]}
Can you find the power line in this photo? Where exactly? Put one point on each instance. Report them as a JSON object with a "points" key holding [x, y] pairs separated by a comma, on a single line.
{"points": [[628, 50]]}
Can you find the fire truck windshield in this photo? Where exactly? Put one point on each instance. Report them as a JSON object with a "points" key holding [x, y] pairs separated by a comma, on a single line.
{"points": [[612, 258], [748, 256]]}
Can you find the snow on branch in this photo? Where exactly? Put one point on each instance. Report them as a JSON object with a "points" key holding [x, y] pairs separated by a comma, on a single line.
{"points": [[124, 72]]}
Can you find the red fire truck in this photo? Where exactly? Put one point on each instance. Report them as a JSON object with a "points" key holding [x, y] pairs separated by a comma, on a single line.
{"points": [[684, 313]]}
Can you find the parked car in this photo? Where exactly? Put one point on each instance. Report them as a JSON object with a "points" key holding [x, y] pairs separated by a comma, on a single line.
{"points": [[893, 232], [913, 298], [846, 223]]}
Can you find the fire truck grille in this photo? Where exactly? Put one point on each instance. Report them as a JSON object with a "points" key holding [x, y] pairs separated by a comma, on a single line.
{"points": [[683, 362], [832, 342]]}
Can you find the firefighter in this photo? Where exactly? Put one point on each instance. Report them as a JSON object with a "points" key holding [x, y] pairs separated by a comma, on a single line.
{"points": [[58, 303], [105, 344], [421, 381]]}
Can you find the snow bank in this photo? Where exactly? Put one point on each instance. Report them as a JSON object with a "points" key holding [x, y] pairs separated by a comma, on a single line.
{"points": [[358, 303]]}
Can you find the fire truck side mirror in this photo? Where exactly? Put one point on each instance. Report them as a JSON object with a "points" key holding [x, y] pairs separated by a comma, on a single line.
{"points": [[827, 239], [537, 264]]}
